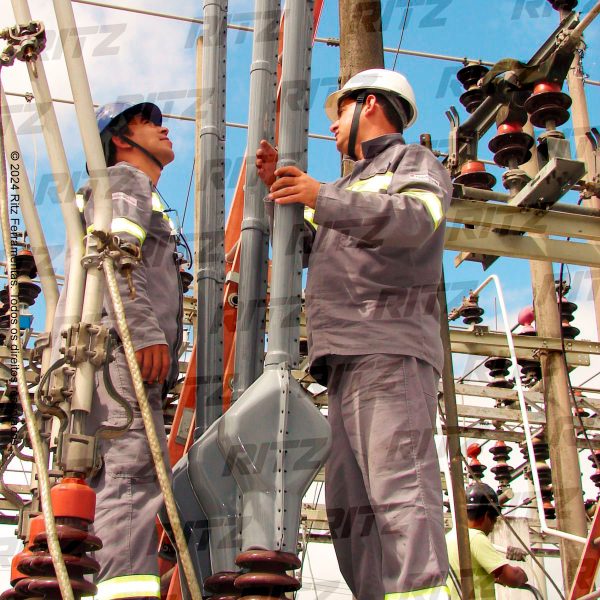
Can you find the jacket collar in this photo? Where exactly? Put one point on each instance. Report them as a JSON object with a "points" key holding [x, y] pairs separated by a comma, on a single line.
{"points": [[374, 146]]}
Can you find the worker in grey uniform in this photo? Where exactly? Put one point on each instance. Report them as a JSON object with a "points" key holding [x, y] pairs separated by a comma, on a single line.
{"points": [[136, 147], [373, 328]]}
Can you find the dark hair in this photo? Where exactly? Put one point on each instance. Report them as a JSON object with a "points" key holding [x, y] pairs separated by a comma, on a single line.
{"points": [[391, 114], [478, 512], [110, 150]]}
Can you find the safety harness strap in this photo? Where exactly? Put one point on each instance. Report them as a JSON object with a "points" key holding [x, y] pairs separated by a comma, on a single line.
{"points": [[360, 100], [142, 149]]}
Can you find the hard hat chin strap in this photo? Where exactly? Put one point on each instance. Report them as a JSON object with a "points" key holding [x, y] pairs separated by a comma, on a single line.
{"points": [[142, 149], [360, 100]]}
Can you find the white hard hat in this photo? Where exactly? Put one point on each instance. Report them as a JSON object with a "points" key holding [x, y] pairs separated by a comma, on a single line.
{"points": [[388, 82]]}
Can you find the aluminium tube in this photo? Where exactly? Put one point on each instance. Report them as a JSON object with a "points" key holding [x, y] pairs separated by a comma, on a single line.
{"points": [[33, 226], [254, 239], [60, 171], [286, 271], [211, 228], [94, 279]]}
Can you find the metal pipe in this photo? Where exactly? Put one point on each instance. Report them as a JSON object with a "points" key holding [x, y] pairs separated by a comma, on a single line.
{"points": [[94, 280], [60, 170], [288, 222], [254, 237], [524, 415], [40, 454], [39, 248], [585, 153], [211, 228]]}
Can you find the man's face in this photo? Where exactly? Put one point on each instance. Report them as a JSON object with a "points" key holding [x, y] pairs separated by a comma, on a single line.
{"points": [[341, 127], [152, 137], [490, 522]]}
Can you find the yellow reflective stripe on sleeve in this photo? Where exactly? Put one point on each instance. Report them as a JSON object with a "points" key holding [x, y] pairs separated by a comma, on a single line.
{"points": [[435, 593], [431, 202], [129, 586], [377, 183], [157, 205], [123, 225], [80, 202], [309, 216]]}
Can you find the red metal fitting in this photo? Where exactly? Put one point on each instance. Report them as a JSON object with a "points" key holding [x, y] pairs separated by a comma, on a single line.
{"points": [[73, 497], [513, 127], [546, 86]]}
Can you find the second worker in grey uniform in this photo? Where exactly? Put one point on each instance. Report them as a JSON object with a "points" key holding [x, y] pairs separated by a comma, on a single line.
{"points": [[373, 329], [136, 147]]}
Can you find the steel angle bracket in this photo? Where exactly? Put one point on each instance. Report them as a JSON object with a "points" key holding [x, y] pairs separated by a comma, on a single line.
{"points": [[276, 441], [219, 496], [554, 180]]}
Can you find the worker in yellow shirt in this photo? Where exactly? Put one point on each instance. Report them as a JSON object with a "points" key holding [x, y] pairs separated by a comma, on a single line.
{"points": [[489, 565]]}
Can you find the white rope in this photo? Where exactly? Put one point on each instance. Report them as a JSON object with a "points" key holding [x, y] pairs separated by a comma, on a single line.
{"points": [[39, 450], [155, 448]]}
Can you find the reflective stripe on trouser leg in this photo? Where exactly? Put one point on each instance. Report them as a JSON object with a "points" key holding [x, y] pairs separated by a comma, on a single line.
{"points": [[127, 491], [436, 593], [387, 405], [129, 586]]}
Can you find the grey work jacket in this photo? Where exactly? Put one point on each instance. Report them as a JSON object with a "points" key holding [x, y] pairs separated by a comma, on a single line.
{"points": [[155, 314], [376, 260]]}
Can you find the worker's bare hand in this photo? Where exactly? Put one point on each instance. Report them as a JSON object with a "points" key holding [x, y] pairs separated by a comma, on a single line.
{"points": [[154, 362], [266, 161], [294, 186]]}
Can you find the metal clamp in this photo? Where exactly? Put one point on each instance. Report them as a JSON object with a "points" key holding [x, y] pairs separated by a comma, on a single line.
{"points": [[25, 43], [86, 342]]}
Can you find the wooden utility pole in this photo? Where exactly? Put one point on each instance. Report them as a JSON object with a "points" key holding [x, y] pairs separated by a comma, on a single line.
{"points": [[361, 43], [585, 153], [560, 434]]}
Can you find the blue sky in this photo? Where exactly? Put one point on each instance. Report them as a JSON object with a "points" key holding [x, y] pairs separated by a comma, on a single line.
{"points": [[149, 58]]}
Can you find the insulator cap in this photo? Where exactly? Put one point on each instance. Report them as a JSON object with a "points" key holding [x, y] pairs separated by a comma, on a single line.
{"points": [[563, 4], [511, 144], [73, 498], [473, 174]]}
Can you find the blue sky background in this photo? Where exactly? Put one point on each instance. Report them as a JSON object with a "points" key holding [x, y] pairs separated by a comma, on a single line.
{"points": [[149, 58]]}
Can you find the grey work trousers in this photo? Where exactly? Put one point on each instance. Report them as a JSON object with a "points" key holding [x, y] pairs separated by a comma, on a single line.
{"points": [[128, 496], [382, 487]]}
